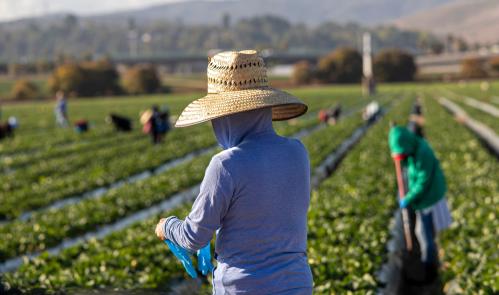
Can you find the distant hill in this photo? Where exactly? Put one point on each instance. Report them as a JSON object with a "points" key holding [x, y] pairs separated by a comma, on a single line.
{"points": [[474, 20], [310, 12]]}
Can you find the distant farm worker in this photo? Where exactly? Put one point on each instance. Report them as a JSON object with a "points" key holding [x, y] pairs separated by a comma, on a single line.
{"points": [[155, 119], [7, 129], [425, 193], [151, 120], [159, 124], [323, 116], [330, 116], [61, 109], [416, 120], [371, 111], [256, 192], [164, 121], [81, 126], [121, 123], [334, 114]]}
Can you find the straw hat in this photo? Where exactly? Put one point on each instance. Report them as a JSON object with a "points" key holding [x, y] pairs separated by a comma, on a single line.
{"points": [[237, 82], [145, 117]]}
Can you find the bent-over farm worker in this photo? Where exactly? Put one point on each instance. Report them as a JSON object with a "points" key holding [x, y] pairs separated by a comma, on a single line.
{"points": [[256, 192], [426, 191]]}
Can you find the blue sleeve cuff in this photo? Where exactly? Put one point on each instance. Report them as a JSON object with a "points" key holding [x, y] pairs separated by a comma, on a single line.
{"points": [[168, 223]]}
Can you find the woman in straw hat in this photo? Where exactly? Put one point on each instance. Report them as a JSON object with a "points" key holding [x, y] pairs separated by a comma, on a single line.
{"points": [[256, 192]]}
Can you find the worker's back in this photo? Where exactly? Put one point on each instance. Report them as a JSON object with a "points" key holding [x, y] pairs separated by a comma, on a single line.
{"points": [[261, 243]]}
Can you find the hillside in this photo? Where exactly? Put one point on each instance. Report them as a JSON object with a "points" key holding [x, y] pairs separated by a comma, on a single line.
{"points": [[311, 12], [476, 21]]}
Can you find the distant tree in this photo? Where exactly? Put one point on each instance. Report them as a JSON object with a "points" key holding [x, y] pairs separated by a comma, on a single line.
{"points": [[302, 73], [460, 45], [394, 65], [100, 78], [43, 66], [88, 78], [494, 64], [141, 79], [436, 47], [344, 65], [473, 68], [25, 90], [70, 21], [67, 77]]}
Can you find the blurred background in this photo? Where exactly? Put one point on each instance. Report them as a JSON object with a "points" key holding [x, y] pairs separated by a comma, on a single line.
{"points": [[447, 39]]}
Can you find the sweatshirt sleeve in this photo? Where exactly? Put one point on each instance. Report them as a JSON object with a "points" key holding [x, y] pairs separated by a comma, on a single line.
{"points": [[423, 166], [207, 211]]}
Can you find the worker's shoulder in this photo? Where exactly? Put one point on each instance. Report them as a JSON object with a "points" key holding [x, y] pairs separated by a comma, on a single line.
{"points": [[226, 157], [425, 151], [296, 144]]}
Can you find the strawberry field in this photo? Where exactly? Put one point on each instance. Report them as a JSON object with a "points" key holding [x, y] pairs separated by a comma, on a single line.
{"points": [[65, 196]]}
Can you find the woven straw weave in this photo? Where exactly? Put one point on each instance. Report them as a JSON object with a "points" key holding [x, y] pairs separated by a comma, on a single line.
{"points": [[237, 82]]}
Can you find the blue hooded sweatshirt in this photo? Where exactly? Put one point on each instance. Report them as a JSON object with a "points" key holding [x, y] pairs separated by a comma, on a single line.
{"points": [[255, 196]]}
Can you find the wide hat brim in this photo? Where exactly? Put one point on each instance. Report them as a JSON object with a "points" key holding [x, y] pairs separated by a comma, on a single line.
{"points": [[215, 105]]}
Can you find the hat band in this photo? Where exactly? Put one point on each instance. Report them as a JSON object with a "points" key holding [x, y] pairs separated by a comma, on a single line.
{"points": [[219, 86]]}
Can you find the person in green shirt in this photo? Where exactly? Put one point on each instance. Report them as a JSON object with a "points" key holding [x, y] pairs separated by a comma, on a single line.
{"points": [[426, 189]]}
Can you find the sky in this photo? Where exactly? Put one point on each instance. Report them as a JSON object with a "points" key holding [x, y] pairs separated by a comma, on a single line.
{"points": [[14, 9]]}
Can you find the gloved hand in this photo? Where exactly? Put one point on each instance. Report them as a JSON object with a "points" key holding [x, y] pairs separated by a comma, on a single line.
{"points": [[403, 203], [184, 258], [204, 260]]}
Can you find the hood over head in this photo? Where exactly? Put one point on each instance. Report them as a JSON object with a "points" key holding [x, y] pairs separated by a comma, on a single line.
{"points": [[402, 141], [231, 130]]}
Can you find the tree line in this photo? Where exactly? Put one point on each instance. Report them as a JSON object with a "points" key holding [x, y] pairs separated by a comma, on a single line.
{"points": [[344, 65], [37, 41], [93, 78]]}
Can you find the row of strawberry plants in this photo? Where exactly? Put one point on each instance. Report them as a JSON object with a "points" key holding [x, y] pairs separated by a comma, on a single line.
{"points": [[38, 131], [469, 247], [488, 94], [108, 141], [21, 192], [53, 226], [73, 153], [50, 189], [38, 125], [475, 113], [61, 166], [350, 213], [78, 161], [132, 250]]}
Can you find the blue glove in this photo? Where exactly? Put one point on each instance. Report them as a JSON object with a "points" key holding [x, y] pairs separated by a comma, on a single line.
{"points": [[204, 260], [403, 203], [184, 258]]}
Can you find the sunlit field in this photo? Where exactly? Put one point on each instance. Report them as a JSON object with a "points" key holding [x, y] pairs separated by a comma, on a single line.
{"points": [[107, 176]]}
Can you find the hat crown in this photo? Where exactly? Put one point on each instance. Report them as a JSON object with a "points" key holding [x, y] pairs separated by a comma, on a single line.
{"points": [[236, 70]]}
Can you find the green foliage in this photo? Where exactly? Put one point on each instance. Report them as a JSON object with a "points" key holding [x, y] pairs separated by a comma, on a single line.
{"points": [[42, 183], [73, 38], [344, 65], [470, 261], [394, 65], [349, 215], [494, 64], [25, 90], [89, 78], [132, 253], [473, 68], [302, 73], [348, 219], [141, 79]]}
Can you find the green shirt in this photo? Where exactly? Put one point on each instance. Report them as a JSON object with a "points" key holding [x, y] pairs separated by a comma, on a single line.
{"points": [[426, 178]]}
